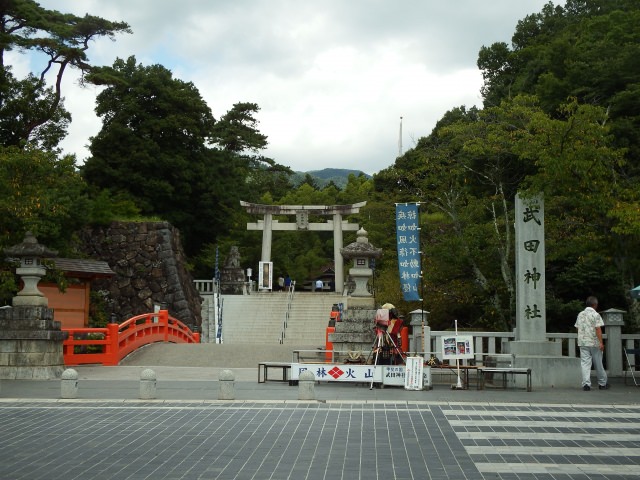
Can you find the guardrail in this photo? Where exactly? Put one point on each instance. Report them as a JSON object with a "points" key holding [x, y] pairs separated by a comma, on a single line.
{"points": [[287, 313], [107, 346]]}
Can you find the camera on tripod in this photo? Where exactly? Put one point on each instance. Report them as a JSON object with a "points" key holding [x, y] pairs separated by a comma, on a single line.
{"points": [[386, 346]]}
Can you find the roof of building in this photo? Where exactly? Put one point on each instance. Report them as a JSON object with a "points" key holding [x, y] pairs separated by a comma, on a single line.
{"points": [[83, 268]]}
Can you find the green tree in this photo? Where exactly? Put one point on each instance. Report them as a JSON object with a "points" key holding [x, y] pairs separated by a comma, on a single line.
{"points": [[42, 194], [160, 144], [31, 112], [587, 49], [467, 172]]}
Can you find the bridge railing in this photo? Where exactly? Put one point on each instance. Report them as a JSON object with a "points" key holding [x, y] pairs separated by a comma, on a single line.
{"points": [[107, 346]]}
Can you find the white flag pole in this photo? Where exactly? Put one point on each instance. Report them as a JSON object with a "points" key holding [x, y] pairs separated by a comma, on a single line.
{"points": [[459, 385]]}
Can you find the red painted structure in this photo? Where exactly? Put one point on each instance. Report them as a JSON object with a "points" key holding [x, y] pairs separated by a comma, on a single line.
{"points": [[107, 346]]}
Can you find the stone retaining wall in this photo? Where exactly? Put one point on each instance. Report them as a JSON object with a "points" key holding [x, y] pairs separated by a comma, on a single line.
{"points": [[150, 270]]}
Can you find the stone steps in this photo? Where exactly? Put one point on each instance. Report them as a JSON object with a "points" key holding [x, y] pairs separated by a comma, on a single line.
{"points": [[259, 318]]}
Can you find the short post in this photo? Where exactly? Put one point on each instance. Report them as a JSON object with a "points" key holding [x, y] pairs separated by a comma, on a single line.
{"points": [[306, 385], [147, 384], [226, 380], [69, 384]]}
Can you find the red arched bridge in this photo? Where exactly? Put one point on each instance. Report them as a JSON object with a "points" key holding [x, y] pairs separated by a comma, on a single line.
{"points": [[107, 346]]}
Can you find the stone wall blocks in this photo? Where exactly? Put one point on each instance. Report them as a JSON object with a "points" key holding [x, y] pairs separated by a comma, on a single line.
{"points": [[144, 293], [152, 260]]}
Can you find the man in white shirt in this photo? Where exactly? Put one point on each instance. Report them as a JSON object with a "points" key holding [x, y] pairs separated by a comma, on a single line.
{"points": [[589, 325]]}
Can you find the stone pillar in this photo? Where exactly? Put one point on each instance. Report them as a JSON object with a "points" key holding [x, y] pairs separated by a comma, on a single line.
{"points": [[613, 323], [531, 347], [226, 380], [267, 235], [147, 384], [306, 386], [337, 256], [69, 384], [531, 309]]}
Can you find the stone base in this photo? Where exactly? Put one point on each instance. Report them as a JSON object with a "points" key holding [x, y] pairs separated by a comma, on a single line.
{"points": [[355, 331], [31, 373], [545, 349], [362, 302], [30, 344], [546, 372]]}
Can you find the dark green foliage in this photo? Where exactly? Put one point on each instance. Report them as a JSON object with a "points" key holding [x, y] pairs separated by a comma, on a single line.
{"points": [[152, 147], [31, 112]]}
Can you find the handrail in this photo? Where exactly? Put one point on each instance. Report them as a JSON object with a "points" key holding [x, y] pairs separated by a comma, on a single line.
{"points": [[287, 313], [107, 346]]}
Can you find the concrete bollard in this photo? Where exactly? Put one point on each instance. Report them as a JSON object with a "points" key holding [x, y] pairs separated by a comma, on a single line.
{"points": [[306, 386], [147, 384], [227, 391], [69, 384]]}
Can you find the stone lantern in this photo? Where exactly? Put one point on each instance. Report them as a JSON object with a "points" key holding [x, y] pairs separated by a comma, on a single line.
{"points": [[362, 253], [31, 270], [613, 323], [30, 338], [419, 323]]}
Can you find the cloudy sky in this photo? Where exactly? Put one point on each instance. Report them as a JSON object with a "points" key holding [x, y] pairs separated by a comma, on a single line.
{"points": [[332, 78]]}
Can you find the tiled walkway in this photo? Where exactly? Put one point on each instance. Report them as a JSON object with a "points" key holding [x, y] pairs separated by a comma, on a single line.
{"points": [[88, 439], [550, 442]]}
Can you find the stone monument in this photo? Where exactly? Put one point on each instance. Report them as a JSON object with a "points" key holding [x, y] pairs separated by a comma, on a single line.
{"points": [[531, 347], [232, 275], [355, 332], [30, 340]]}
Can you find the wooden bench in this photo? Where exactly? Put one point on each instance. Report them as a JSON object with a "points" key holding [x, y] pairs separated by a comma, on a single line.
{"points": [[263, 369], [504, 372]]}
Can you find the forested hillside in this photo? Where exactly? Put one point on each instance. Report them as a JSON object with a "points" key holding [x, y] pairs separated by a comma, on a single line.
{"points": [[323, 178], [560, 117]]}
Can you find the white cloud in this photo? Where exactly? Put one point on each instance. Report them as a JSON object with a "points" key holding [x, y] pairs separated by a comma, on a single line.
{"points": [[332, 78]]}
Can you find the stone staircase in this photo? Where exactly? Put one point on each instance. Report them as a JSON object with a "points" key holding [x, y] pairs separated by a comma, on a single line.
{"points": [[259, 318]]}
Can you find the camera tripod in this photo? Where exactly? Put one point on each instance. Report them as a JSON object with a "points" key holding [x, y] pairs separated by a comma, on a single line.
{"points": [[382, 335]]}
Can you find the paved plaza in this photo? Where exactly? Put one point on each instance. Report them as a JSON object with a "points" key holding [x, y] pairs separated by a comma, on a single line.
{"points": [[348, 432]]}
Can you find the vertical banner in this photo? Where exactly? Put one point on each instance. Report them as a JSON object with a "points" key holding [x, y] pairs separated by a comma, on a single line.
{"points": [[408, 239]]}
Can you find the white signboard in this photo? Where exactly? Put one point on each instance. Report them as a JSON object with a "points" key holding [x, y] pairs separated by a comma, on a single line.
{"points": [[413, 377], [338, 372], [385, 374], [265, 275], [393, 374]]}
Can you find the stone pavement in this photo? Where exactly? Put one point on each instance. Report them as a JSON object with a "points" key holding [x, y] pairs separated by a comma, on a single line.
{"points": [[349, 432]]}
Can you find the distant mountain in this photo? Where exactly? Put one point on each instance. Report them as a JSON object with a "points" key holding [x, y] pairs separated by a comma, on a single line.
{"points": [[338, 176]]}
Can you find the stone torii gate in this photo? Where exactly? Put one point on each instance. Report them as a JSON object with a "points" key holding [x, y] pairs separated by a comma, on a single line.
{"points": [[302, 212]]}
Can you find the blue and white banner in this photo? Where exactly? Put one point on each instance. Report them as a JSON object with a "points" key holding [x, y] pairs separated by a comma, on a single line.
{"points": [[408, 239]]}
